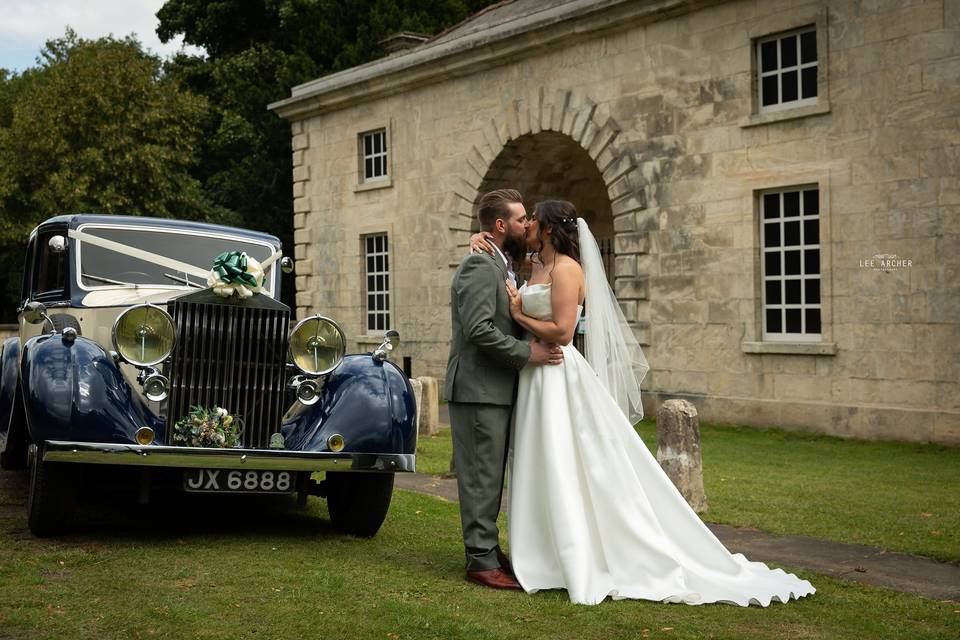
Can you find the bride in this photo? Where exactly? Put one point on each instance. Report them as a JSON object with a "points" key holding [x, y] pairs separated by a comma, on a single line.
{"points": [[590, 510]]}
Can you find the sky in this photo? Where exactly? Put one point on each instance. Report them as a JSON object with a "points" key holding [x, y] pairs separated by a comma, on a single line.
{"points": [[25, 25]]}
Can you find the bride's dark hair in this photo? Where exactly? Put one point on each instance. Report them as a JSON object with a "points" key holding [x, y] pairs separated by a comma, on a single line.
{"points": [[559, 216]]}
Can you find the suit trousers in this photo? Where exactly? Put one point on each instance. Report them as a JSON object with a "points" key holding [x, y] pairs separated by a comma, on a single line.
{"points": [[480, 437]]}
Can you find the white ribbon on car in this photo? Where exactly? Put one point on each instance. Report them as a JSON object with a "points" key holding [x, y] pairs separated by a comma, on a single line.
{"points": [[156, 258]]}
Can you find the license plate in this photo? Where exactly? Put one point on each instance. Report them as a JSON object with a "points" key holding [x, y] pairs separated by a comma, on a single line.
{"points": [[234, 481]]}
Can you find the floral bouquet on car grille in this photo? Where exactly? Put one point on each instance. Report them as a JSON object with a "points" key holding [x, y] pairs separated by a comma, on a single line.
{"points": [[204, 427]]}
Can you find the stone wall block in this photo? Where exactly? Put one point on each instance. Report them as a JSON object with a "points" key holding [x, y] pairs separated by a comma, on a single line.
{"points": [[303, 267], [608, 132], [296, 127], [625, 266], [678, 450], [631, 243], [302, 236], [301, 205], [299, 220], [299, 189], [301, 173], [304, 298], [634, 288], [513, 120], [297, 158], [301, 141], [561, 103]]}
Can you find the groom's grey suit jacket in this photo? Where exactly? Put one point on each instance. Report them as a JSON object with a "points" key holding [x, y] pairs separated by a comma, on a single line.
{"points": [[485, 352]]}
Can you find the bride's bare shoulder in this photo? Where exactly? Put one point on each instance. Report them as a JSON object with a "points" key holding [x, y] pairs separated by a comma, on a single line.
{"points": [[566, 264]]}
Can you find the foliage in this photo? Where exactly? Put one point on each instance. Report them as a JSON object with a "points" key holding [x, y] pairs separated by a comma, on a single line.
{"points": [[257, 50], [204, 427], [896, 495], [95, 127], [231, 567]]}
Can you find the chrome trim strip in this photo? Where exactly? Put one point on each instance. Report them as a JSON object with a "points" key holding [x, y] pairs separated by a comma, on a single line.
{"points": [[198, 457]]}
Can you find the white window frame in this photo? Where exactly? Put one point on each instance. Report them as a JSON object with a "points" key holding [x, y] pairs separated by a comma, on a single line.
{"points": [[803, 306], [779, 71], [382, 155], [386, 311]]}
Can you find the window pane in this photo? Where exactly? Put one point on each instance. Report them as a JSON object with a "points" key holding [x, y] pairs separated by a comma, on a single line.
{"points": [[768, 55], [386, 302], [808, 78], [371, 302], [370, 285], [793, 320], [367, 145], [788, 52], [791, 233], [791, 263], [792, 290], [813, 320], [378, 261], [811, 291], [774, 323], [811, 261], [386, 283], [379, 283], [769, 94], [789, 84], [773, 292], [370, 265], [368, 168], [771, 235], [386, 262], [811, 202], [371, 323], [380, 324], [811, 231], [369, 242], [771, 263], [771, 205], [808, 46], [791, 204]]}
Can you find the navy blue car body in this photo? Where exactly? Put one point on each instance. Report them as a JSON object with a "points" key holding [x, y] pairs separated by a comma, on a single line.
{"points": [[69, 398]]}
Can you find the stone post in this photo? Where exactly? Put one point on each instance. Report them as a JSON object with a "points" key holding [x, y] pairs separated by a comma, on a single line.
{"points": [[678, 450], [418, 396], [429, 408]]}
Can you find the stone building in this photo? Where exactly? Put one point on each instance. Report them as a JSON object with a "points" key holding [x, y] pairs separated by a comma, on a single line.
{"points": [[778, 182]]}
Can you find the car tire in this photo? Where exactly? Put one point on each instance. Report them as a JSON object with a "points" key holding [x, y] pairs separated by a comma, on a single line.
{"points": [[61, 321], [51, 498], [358, 502]]}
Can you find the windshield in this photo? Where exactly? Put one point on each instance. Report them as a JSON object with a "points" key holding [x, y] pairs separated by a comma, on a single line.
{"points": [[102, 267]]}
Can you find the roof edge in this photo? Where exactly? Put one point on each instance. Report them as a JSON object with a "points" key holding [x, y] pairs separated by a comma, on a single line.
{"points": [[430, 63]]}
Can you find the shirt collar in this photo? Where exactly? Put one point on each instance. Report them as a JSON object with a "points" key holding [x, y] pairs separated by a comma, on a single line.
{"points": [[502, 256]]}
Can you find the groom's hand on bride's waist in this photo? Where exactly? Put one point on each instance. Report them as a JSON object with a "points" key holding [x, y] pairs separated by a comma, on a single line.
{"points": [[545, 353]]}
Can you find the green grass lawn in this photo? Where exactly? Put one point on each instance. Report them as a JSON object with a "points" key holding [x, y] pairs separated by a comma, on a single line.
{"points": [[241, 569], [899, 496]]}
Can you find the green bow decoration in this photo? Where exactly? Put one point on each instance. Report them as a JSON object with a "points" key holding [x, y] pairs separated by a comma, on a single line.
{"points": [[232, 268]]}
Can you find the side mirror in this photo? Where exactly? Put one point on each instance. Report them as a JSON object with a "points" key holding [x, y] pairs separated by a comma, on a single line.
{"points": [[390, 339], [57, 244], [34, 312], [286, 264], [394, 336]]}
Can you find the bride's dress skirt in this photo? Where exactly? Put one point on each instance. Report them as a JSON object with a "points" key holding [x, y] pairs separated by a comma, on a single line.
{"points": [[592, 512]]}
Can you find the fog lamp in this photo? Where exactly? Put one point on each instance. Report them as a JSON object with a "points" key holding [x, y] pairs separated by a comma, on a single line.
{"points": [[155, 387], [144, 436], [308, 392], [335, 442]]}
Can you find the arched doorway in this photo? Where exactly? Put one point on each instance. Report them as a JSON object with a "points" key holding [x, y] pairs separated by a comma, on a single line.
{"points": [[552, 165]]}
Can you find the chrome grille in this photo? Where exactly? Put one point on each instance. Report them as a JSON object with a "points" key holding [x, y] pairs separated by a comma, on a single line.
{"points": [[233, 355]]}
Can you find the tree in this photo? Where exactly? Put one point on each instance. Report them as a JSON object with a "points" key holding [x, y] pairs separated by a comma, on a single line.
{"points": [[95, 127], [257, 50]]}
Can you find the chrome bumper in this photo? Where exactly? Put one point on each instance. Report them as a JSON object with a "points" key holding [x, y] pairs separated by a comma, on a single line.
{"points": [[196, 457]]}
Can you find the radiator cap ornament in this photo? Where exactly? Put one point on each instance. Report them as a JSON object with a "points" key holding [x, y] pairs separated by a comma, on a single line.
{"points": [[276, 441]]}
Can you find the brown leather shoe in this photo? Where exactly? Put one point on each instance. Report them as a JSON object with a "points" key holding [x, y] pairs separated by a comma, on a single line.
{"points": [[493, 578]]}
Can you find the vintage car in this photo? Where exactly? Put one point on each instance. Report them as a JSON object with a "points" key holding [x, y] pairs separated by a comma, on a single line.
{"points": [[159, 350]]}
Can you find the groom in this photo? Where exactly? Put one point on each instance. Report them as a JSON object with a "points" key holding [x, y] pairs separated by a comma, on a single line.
{"points": [[485, 356]]}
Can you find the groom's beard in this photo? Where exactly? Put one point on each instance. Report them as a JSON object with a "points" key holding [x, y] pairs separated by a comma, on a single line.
{"points": [[515, 248]]}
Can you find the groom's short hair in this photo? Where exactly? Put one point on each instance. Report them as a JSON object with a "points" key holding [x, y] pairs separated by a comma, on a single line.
{"points": [[495, 205]]}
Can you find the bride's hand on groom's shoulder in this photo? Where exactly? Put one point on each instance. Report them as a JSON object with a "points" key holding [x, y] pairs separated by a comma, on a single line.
{"points": [[478, 242]]}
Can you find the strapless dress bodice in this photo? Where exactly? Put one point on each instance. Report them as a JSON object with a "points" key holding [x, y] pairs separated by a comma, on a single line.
{"points": [[537, 303]]}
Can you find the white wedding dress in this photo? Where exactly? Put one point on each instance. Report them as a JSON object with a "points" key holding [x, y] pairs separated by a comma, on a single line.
{"points": [[591, 511]]}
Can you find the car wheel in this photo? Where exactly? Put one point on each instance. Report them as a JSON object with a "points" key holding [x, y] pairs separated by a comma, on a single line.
{"points": [[358, 502], [51, 498]]}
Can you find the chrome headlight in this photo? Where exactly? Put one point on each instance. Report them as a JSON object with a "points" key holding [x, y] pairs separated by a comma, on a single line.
{"points": [[317, 345], [144, 335]]}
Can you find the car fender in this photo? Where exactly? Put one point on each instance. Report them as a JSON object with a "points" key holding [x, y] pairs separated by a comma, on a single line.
{"points": [[74, 390], [9, 358], [368, 402]]}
